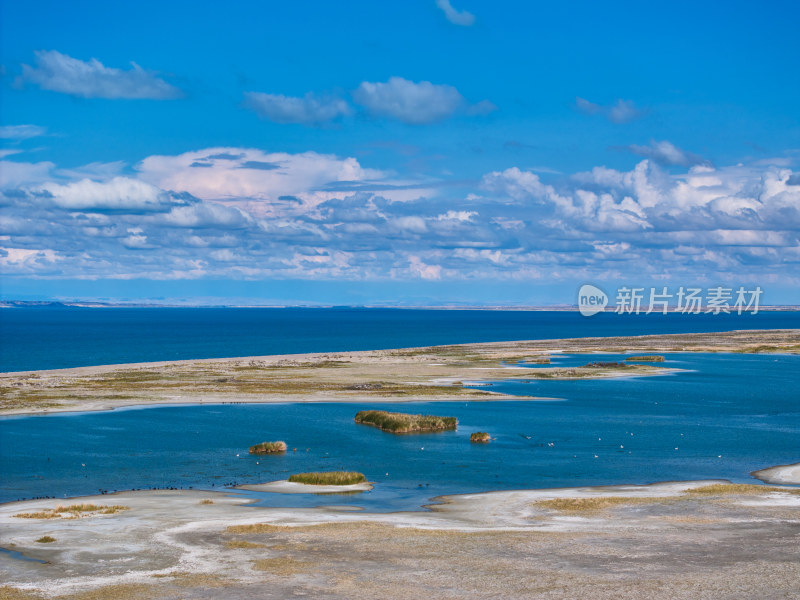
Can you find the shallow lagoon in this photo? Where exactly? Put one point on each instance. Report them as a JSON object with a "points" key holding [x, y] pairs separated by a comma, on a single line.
{"points": [[723, 417]]}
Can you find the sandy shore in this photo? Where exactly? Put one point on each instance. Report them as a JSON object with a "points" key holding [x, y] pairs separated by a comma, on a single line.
{"points": [[290, 487], [440, 373], [781, 475], [669, 540]]}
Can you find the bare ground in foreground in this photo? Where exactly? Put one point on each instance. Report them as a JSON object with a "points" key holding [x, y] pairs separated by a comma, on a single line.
{"points": [[658, 542]]}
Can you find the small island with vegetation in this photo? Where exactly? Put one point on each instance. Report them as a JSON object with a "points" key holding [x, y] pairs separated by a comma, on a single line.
{"points": [[329, 478], [480, 437], [646, 358], [394, 422], [268, 448], [605, 365]]}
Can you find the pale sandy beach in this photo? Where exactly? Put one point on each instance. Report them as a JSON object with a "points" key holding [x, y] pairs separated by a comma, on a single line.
{"points": [[781, 475], [671, 540]]}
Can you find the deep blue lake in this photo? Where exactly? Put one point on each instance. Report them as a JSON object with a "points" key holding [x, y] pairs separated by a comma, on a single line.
{"points": [[724, 416], [54, 338]]}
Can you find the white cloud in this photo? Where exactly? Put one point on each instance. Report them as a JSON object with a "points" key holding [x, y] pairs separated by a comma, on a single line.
{"points": [[246, 213], [423, 270], [308, 110], [118, 194], [91, 79], [666, 153], [14, 173], [253, 179], [102, 171], [21, 132], [136, 239], [623, 111], [207, 214], [456, 17], [407, 101], [28, 261]]}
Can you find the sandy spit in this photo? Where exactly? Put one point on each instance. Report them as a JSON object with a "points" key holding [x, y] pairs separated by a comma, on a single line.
{"points": [[780, 475]]}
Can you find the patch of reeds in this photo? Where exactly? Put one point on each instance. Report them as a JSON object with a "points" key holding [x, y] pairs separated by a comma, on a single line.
{"points": [[596, 503], [720, 489], [394, 422], [282, 565], [235, 544], [328, 478], [268, 448], [72, 511]]}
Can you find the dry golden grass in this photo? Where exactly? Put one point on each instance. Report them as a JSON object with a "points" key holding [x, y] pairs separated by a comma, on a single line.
{"points": [[206, 501], [197, 580], [258, 528], [41, 514], [235, 544], [748, 489], [46, 539], [73, 511], [607, 502], [598, 503], [328, 478], [282, 565], [127, 591], [11, 593]]}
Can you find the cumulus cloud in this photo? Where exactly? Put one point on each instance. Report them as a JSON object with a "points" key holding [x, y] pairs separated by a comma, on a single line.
{"points": [[208, 214], [623, 111], [91, 79], [456, 17], [408, 101], [248, 213], [118, 194], [307, 110], [254, 179], [21, 132], [666, 153]]}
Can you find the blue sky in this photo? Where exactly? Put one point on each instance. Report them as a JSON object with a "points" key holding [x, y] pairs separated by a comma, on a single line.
{"points": [[411, 153]]}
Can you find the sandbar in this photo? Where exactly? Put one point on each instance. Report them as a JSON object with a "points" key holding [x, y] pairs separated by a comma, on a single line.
{"points": [[781, 475], [291, 487]]}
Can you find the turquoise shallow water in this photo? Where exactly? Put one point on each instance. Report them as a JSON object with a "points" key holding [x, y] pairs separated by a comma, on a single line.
{"points": [[724, 416]]}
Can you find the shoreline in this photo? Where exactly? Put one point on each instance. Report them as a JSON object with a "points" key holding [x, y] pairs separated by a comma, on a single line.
{"points": [[163, 541], [638, 342], [780, 474], [422, 374]]}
